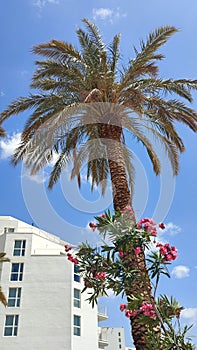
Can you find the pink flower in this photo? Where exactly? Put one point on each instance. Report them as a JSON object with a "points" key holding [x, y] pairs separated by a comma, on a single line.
{"points": [[121, 254], [148, 310], [162, 226], [67, 248], [169, 257], [163, 250], [128, 313], [75, 261], [92, 226], [148, 225], [122, 307], [100, 275], [135, 312], [137, 250], [174, 255], [153, 232], [169, 253]]}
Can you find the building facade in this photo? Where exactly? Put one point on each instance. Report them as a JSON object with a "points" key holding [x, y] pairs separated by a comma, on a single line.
{"points": [[46, 309], [115, 338]]}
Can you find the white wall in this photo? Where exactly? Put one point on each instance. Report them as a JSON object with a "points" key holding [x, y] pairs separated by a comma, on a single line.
{"points": [[115, 337], [46, 312]]}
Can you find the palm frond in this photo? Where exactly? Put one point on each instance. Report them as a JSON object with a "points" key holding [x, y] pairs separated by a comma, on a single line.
{"points": [[157, 39], [20, 105], [3, 298], [162, 87], [63, 160], [94, 34], [2, 132], [115, 53], [174, 110], [144, 64], [57, 51], [137, 129]]}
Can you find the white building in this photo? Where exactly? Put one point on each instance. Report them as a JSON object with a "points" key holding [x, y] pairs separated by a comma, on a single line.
{"points": [[46, 309], [114, 337]]}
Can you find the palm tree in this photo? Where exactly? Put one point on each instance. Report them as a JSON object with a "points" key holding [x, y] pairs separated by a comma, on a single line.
{"points": [[84, 102], [2, 296]]}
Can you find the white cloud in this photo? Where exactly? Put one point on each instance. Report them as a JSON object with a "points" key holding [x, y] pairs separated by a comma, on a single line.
{"points": [[190, 313], [102, 13], [107, 14], [7, 146], [171, 229], [40, 178], [180, 271], [42, 3], [2, 93]]}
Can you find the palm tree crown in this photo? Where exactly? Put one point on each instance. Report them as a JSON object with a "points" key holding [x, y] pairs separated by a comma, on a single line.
{"points": [[80, 91]]}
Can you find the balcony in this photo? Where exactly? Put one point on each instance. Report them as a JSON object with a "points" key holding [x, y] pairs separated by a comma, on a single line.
{"points": [[102, 338], [102, 313]]}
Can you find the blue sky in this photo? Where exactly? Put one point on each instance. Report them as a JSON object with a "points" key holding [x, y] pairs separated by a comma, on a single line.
{"points": [[65, 211]]}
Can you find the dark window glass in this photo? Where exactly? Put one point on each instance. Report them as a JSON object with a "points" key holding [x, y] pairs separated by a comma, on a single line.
{"points": [[77, 325], [76, 273], [77, 298], [17, 272], [19, 247], [11, 326], [14, 297]]}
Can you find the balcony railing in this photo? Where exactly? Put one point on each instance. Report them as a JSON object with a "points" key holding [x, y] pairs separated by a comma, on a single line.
{"points": [[102, 313], [102, 338]]}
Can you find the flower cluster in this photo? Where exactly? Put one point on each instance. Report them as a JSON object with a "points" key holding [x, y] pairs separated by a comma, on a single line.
{"points": [[146, 308], [169, 252], [148, 225], [70, 257], [100, 275], [114, 267], [128, 313], [92, 226]]}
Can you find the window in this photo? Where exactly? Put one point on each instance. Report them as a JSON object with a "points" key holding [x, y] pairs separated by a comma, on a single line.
{"points": [[11, 326], [119, 340], [14, 297], [19, 248], [9, 229], [17, 272], [77, 298], [76, 273], [119, 334], [120, 346], [77, 325]]}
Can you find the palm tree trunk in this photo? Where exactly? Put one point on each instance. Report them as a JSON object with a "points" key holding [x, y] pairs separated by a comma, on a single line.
{"points": [[111, 135]]}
